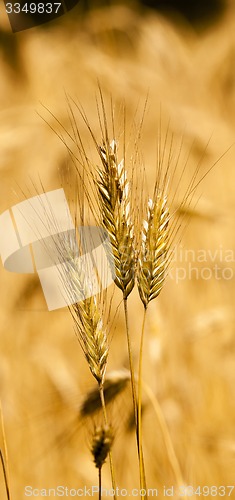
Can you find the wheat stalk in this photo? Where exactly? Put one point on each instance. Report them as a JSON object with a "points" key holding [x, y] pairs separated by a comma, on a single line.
{"points": [[92, 335], [152, 264], [93, 339], [4, 460], [115, 205]]}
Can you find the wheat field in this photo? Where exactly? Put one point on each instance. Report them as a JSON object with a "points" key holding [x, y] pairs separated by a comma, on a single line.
{"points": [[186, 79]]}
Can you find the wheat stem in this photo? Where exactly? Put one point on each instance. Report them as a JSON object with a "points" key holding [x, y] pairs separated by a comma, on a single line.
{"points": [[100, 483], [135, 404], [5, 475], [140, 436], [102, 399], [4, 463], [131, 364]]}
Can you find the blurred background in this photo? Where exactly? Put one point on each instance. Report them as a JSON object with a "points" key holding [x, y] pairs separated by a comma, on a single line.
{"points": [[181, 55]]}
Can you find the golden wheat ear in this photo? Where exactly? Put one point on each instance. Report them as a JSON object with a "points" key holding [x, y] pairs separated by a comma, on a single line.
{"points": [[153, 257], [115, 204], [92, 336]]}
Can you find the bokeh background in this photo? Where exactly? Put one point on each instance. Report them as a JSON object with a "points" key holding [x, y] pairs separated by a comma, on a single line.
{"points": [[182, 55]]}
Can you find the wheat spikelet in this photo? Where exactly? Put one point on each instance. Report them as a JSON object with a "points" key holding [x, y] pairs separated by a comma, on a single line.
{"points": [[115, 205], [154, 249]]}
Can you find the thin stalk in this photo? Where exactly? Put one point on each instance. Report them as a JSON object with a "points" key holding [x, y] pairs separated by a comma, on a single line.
{"points": [[135, 405], [101, 389], [131, 364], [173, 460], [5, 467], [140, 436], [5, 475], [100, 484]]}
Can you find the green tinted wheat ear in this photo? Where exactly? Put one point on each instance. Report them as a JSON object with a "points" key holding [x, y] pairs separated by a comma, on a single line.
{"points": [[115, 212], [154, 250]]}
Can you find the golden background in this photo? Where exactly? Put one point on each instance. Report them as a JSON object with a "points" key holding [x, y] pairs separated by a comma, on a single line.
{"points": [[188, 73]]}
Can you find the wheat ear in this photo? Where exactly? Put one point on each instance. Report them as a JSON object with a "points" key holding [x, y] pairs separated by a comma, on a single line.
{"points": [[115, 211], [152, 266], [92, 336], [101, 447], [153, 257]]}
